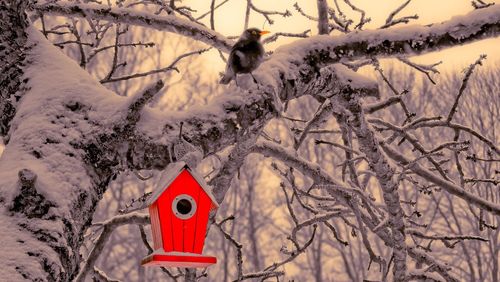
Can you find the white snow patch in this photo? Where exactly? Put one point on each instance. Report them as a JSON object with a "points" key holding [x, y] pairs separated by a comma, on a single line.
{"points": [[40, 139]]}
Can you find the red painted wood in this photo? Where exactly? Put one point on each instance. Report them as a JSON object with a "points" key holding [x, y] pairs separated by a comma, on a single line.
{"points": [[165, 217], [201, 225], [189, 225], [183, 184], [176, 234], [178, 261], [155, 226], [188, 185]]}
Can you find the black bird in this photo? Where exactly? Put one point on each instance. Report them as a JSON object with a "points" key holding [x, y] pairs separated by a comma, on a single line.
{"points": [[246, 55]]}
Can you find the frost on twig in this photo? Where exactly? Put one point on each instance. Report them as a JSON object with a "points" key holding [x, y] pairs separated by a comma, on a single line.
{"points": [[447, 240], [425, 69], [466, 78], [276, 35], [448, 186], [385, 176], [167, 23], [107, 229], [345, 194], [171, 67], [390, 21], [363, 20], [479, 4], [268, 14]]}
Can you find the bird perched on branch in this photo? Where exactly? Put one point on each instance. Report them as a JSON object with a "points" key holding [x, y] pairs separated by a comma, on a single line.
{"points": [[246, 55]]}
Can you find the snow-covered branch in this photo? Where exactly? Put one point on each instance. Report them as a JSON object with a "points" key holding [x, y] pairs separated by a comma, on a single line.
{"points": [[89, 135], [107, 229], [385, 175], [13, 22], [478, 24], [341, 191], [168, 23], [447, 185]]}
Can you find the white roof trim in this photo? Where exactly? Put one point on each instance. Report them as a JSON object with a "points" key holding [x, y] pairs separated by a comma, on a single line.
{"points": [[170, 174]]}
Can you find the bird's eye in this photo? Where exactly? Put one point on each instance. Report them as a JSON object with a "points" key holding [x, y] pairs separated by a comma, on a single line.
{"points": [[254, 32]]}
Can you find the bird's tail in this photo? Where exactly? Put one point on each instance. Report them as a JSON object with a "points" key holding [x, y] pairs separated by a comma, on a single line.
{"points": [[228, 76]]}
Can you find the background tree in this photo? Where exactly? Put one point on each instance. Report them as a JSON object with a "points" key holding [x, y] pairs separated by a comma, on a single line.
{"points": [[316, 165]]}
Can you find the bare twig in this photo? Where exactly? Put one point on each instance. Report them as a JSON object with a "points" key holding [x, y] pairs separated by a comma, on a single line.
{"points": [[426, 69], [170, 67], [448, 186], [210, 11], [276, 35], [390, 21], [267, 14], [465, 80], [362, 20], [107, 229]]}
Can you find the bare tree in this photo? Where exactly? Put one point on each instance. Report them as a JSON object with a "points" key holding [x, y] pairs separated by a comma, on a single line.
{"points": [[357, 162]]}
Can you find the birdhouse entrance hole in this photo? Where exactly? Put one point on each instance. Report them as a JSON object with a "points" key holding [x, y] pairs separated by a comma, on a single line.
{"points": [[184, 206]]}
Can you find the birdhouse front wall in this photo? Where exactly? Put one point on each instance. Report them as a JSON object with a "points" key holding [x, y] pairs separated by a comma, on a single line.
{"points": [[178, 234], [155, 226]]}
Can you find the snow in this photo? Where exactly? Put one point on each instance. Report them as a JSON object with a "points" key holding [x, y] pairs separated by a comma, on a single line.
{"points": [[170, 174], [152, 121], [54, 81], [287, 59], [44, 124], [169, 23]]}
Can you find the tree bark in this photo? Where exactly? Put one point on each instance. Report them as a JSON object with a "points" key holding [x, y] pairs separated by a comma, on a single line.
{"points": [[13, 22], [53, 175]]}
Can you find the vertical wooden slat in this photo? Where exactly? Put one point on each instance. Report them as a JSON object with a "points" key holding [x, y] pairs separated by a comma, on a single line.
{"points": [[190, 225], [155, 226], [165, 217], [202, 220]]}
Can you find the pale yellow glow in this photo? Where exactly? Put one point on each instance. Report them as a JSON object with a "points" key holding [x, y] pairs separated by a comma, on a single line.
{"points": [[229, 20]]}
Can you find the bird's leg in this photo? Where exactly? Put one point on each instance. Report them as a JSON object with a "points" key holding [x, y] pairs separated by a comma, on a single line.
{"points": [[254, 80]]}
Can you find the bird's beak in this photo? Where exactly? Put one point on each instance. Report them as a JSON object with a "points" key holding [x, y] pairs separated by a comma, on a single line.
{"points": [[264, 32]]}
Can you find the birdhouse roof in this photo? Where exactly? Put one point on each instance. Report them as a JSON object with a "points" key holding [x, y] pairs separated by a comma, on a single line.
{"points": [[171, 174]]}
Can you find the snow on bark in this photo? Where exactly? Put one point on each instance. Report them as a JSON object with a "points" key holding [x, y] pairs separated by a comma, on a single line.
{"points": [[445, 184], [107, 229], [13, 38], [169, 23], [47, 190], [71, 136], [351, 197], [385, 176], [68, 136]]}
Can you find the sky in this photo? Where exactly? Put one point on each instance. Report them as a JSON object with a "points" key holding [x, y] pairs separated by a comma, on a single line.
{"points": [[229, 20]]}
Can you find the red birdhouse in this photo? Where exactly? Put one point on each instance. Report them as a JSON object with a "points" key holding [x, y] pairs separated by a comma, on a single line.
{"points": [[179, 211]]}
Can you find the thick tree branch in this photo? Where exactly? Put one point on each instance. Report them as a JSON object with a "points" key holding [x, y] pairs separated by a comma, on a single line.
{"points": [[169, 23], [446, 185], [323, 27], [478, 24], [385, 175], [107, 229], [338, 189], [13, 22]]}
